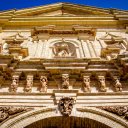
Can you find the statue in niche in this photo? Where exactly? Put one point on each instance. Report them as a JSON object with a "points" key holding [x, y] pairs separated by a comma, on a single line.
{"points": [[5, 49], [43, 81], [102, 84], [63, 49], [14, 85], [65, 81], [118, 86], [66, 105], [29, 85], [86, 82]]}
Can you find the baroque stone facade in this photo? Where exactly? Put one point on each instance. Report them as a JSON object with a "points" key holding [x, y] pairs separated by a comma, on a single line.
{"points": [[61, 59]]}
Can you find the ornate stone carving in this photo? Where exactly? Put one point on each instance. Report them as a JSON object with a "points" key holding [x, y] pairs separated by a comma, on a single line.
{"points": [[86, 83], [102, 83], [66, 105], [118, 110], [7, 111], [15, 83], [65, 81], [29, 84], [5, 48], [118, 85], [43, 81]]}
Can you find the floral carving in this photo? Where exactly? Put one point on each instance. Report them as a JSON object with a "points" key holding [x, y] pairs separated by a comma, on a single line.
{"points": [[66, 105], [6, 112], [118, 110]]}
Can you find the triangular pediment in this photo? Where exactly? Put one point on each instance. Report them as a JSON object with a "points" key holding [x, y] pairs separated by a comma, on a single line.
{"points": [[58, 9]]}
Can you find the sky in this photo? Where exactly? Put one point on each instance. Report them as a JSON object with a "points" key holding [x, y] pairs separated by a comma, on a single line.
{"points": [[20, 4]]}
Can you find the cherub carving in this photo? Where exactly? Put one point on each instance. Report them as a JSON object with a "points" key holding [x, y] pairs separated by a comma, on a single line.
{"points": [[118, 86], [29, 84], [102, 84], [15, 83], [44, 82], [86, 83], [65, 81]]}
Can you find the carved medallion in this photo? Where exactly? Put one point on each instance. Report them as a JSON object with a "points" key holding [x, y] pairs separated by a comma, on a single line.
{"points": [[66, 105]]}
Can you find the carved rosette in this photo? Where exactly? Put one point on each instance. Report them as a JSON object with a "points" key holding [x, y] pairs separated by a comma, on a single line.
{"points": [[66, 105], [118, 110], [7, 111]]}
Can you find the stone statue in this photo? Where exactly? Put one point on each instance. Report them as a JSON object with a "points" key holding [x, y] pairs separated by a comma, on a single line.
{"points": [[118, 86], [66, 105], [44, 82], [29, 84], [15, 83], [86, 82], [65, 81], [61, 50], [102, 84], [5, 49]]}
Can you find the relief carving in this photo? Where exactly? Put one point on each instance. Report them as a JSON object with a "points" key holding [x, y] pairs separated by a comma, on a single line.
{"points": [[118, 110], [7, 111], [29, 84], [43, 81], [5, 48], [102, 84], [15, 83], [66, 105], [86, 83], [65, 81], [118, 86]]}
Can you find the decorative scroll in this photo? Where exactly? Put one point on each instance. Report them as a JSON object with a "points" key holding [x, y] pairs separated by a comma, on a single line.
{"points": [[66, 105], [118, 110], [6, 112]]}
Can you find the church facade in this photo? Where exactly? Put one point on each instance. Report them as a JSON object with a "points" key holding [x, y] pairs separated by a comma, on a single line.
{"points": [[64, 65]]}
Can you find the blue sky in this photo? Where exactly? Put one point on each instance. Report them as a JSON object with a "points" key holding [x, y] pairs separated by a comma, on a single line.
{"points": [[19, 4]]}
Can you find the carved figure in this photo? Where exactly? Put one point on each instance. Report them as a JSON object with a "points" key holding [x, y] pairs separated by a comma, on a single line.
{"points": [[15, 83], [62, 50], [44, 82], [118, 86], [5, 49], [118, 110], [65, 81], [66, 105], [102, 84], [86, 81], [29, 84], [6, 111]]}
